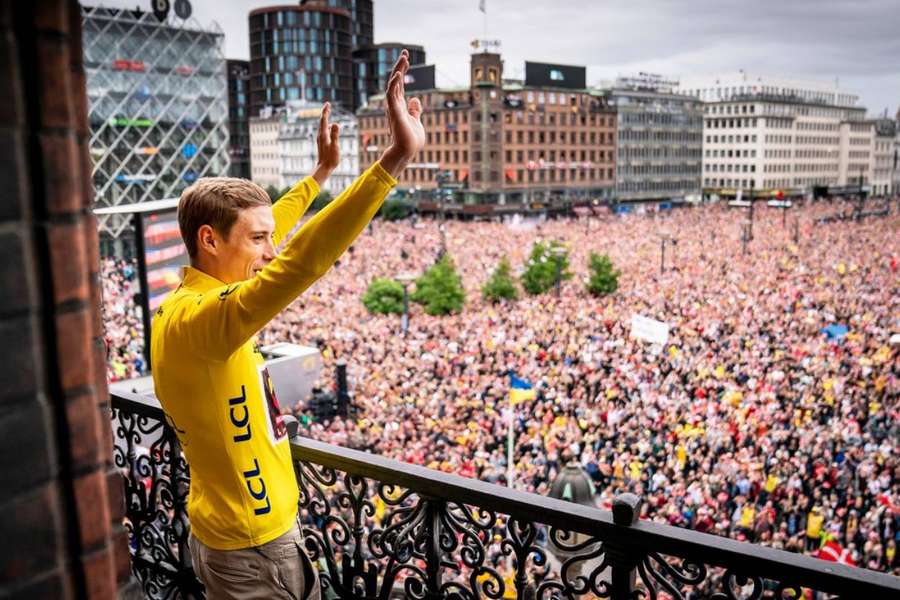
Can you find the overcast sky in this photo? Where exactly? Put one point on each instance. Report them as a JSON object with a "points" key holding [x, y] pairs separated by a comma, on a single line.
{"points": [[854, 41]]}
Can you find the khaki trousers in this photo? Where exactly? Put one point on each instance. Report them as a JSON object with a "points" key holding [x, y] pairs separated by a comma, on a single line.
{"points": [[278, 569]]}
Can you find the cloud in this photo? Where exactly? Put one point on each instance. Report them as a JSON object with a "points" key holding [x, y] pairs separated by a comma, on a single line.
{"points": [[854, 41]]}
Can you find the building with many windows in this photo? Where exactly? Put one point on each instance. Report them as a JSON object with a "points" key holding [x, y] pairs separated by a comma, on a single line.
{"points": [[372, 65], [895, 161], [882, 173], [265, 161], [284, 149], [239, 117], [768, 134], [298, 149], [659, 140], [546, 139], [301, 52], [317, 51], [158, 107]]}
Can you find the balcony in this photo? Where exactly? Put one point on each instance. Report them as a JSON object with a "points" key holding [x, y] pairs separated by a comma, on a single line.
{"points": [[380, 528]]}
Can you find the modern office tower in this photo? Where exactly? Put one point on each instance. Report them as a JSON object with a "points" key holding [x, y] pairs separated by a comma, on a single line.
{"points": [[546, 140], [301, 52], [659, 140], [363, 14], [763, 135], [317, 51], [372, 65], [158, 106], [239, 117]]}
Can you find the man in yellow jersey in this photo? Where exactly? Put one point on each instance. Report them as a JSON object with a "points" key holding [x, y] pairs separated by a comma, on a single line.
{"points": [[210, 376]]}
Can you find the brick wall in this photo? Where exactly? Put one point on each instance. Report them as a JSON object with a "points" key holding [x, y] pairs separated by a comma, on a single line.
{"points": [[61, 501]]}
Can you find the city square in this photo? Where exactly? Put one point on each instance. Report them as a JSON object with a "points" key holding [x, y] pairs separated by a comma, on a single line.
{"points": [[317, 319]]}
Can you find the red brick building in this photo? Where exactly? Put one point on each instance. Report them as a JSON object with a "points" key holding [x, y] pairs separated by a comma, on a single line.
{"points": [[507, 142]]}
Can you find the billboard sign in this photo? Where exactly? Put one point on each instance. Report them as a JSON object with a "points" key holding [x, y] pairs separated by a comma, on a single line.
{"points": [[420, 77], [164, 255], [559, 76]]}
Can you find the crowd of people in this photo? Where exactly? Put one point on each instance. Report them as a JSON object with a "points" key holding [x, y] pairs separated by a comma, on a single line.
{"points": [[750, 422], [123, 323]]}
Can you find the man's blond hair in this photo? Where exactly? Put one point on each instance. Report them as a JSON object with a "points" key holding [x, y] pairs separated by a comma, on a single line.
{"points": [[216, 201]]}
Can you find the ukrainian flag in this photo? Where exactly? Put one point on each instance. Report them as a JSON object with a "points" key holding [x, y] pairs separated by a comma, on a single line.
{"points": [[520, 390]]}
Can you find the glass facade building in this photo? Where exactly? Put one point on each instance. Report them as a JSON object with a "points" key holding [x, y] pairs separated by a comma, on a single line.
{"points": [[301, 52], [372, 65], [158, 107], [238, 117]]}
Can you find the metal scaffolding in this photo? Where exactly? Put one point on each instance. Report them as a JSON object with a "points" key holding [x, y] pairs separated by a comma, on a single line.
{"points": [[158, 106]]}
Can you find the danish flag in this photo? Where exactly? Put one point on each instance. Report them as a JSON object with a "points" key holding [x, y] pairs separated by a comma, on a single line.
{"points": [[833, 552]]}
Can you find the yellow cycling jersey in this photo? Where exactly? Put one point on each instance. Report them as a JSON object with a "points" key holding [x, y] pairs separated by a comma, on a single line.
{"points": [[211, 379]]}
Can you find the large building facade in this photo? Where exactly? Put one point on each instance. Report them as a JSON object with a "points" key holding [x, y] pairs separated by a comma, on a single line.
{"points": [[239, 117], [372, 65], [298, 149], [883, 157], [265, 161], [764, 135], [158, 107], [544, 140], [301, 52], [895, 161], [284, 150], [659, 140], [317, 51]]}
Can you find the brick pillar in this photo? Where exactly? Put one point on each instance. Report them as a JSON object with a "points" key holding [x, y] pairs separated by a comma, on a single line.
{"points": [[61, 503]]}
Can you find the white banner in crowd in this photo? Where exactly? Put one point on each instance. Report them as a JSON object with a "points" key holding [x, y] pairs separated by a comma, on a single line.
{"points": [[649, 330]]}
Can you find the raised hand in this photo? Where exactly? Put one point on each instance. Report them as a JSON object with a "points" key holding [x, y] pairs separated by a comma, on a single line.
{"points": [[404, 120], [329, 146]]}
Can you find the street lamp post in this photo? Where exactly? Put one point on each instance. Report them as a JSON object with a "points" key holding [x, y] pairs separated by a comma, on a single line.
{"points": [[750, 233], [745, 237], [405, 279], [662, 252]]}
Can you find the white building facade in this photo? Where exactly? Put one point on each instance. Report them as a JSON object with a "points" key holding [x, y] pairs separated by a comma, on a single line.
{"points": [[284, 150], [895, 161], [298, 150], [265, 165], [773, 134], [883, 157]]}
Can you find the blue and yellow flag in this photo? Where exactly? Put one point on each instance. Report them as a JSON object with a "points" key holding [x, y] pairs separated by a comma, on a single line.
{"points": [[520, 390]]}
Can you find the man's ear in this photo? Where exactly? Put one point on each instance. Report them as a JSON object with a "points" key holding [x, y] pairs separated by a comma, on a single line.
{"points": [[206, 239]]}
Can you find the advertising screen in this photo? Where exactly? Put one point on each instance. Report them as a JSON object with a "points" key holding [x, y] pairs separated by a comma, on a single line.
{"points": [[420, 77], [559, 76], [164, 255]]}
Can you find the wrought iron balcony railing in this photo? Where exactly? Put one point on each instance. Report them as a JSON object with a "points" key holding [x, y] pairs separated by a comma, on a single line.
{"points": [[380, 529]]}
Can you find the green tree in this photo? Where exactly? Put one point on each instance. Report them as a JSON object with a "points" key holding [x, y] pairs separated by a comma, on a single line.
{"points": [[501, 285], [273, 193], [541, 268], [384, 296], [321, 201], [440, 289], [604, 277], [395, 209]]}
